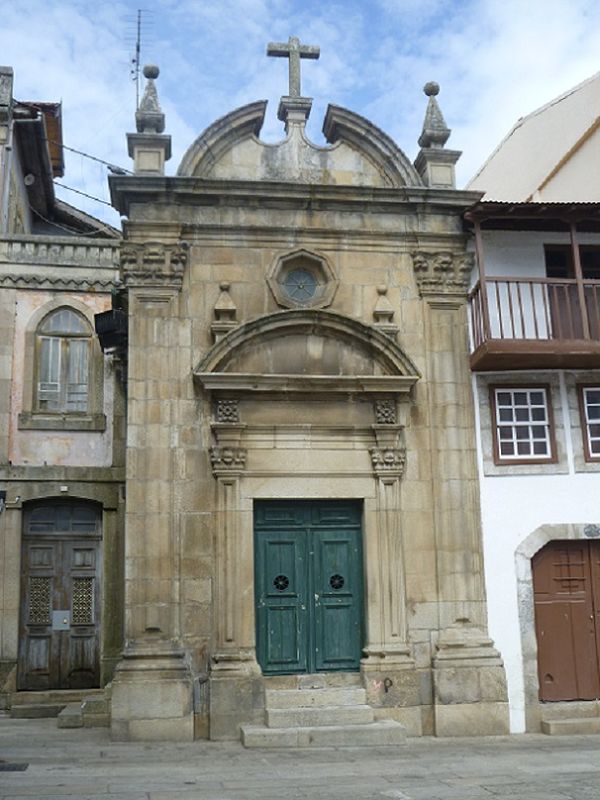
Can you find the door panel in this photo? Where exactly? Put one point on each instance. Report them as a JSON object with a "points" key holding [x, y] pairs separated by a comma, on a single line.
{"points": [[337, 598], [566, 621], [281, 602], [60, 572], [308, 567]]}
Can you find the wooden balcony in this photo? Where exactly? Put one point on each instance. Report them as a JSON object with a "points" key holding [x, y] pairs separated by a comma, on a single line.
{"points": [[535, 323]]}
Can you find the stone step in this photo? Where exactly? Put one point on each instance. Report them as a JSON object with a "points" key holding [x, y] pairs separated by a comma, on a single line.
{"points": [[70, 717], [36, 711], [317, 680], [312, 698], [53, 697], [565, 727], [323, 715], [374, 734], [96, 704]]}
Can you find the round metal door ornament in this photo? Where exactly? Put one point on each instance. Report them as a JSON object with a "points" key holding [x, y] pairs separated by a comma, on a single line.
{"points": [[281, 582], [336, 581]]}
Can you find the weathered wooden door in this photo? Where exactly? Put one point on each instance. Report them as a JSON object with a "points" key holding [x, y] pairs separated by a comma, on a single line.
{"points": [[60, 597], [308, 566], [566, 584]]}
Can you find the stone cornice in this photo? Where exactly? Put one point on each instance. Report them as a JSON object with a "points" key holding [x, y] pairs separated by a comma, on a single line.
{"points": [[195, 191], [442, 273], [153, 264]]}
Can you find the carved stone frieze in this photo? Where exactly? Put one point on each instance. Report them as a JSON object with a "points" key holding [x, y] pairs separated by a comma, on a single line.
{"points": [[154, 264], [56, 284], [227, 411], [442, 272], [388, 461], [385, 412], [227, 459]]}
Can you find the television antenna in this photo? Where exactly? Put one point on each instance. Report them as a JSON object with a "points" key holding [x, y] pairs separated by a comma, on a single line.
{"points": [[140, 25]]}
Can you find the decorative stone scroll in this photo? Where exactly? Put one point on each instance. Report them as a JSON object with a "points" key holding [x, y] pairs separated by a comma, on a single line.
{"points": [[385, 412], [443, 272], [226, 460], [227, 411], [154, 264], [388, 461]]}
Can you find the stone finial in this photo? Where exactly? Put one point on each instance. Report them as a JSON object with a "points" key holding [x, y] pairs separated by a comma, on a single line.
{"points": [[149, 147], [225, 312], [383, 313], [435, 131], [434, 163], [149, 117]]}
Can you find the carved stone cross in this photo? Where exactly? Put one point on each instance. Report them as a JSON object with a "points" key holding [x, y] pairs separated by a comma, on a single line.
{"points": [[294, 51]]}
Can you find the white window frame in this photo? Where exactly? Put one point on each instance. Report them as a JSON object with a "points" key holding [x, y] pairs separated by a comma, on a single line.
{"points": [[519, 418], [590, 441]]}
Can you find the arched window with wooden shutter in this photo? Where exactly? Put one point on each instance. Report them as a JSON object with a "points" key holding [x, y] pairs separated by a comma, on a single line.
{"points": [[63, 345]]}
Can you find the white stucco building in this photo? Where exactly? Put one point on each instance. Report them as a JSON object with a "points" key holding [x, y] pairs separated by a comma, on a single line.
{"points": [[535, 314]]}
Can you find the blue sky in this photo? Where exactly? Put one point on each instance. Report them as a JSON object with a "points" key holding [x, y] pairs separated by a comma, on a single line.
{"points": [[496, 60]]}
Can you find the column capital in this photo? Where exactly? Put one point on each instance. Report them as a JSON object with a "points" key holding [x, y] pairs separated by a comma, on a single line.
{"points": [[443, 273], [153, 264]]}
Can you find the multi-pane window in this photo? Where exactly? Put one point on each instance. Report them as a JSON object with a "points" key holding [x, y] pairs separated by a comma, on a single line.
{"points": [[63, 376], [590, 419], [522, 424]]}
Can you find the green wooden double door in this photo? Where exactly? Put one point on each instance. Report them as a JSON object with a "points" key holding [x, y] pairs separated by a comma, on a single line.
{"points": [[309, 588]]}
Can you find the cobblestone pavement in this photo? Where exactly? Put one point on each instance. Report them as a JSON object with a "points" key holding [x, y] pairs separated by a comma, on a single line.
{"points": [[69, 764]]}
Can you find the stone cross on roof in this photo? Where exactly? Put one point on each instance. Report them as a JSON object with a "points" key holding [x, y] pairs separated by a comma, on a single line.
{"points": [[294, 51]]}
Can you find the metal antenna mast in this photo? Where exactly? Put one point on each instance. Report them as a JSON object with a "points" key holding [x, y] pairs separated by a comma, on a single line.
{"points": [[139, 26]]}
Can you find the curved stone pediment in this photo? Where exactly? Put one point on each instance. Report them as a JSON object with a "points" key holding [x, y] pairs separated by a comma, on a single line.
{"points": [[358, 154], [303, 350]]}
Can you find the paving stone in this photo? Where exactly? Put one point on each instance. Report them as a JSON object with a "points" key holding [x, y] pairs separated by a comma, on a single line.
{"points": [[84, 764]]}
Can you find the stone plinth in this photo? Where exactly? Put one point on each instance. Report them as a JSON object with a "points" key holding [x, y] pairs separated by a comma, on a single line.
{"points": [[152, 694], [469, 683]]}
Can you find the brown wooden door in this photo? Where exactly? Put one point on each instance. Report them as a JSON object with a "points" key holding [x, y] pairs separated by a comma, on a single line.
{"points": [[60, 598], [566, 585]]}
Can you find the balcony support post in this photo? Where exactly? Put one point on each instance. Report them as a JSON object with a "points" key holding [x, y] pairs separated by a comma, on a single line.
{"points": [[487, 331], [579, 277]]}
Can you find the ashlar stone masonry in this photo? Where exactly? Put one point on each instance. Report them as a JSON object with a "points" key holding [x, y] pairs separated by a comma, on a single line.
{"points": [[298, 333]]}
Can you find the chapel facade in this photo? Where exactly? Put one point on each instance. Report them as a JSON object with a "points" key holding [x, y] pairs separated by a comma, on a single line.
{"points": [[264, 514], [302, 539]]}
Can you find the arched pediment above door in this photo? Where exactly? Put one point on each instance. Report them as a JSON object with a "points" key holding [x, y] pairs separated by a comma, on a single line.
{"points": [[307, 351]]}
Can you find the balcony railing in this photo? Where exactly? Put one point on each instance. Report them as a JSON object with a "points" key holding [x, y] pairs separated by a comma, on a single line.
{"points": [[535, 322]]}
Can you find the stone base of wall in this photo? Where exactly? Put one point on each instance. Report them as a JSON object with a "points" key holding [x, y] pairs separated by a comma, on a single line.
{"points": [[469, 684], [152, 695], [236, 698]]}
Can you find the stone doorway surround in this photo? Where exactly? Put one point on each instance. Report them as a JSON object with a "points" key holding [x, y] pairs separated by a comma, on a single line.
{"points": [[534, 708], [302, 436]]}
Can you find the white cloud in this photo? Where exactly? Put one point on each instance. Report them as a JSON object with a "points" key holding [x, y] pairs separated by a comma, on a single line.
{"points": [[495, 61]]}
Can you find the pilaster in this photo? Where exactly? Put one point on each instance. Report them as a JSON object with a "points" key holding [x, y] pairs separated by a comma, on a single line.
{"points": [[466, 663], [154, 666], [235, 696], [388, 668]]}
